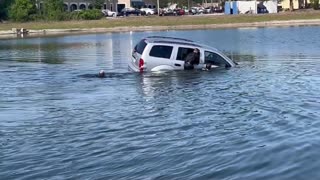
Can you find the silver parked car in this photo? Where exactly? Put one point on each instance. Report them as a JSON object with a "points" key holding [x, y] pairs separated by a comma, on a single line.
{"points": [[148, 11]]}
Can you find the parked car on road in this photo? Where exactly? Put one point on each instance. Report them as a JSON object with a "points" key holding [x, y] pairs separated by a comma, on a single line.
{"points": [[179, 12], [157, 53], [167, 12], [131, 11], [196, 10], [193, 11], [207, 10], [109, 13], [148, 11], [217, 10], [172, 12]]}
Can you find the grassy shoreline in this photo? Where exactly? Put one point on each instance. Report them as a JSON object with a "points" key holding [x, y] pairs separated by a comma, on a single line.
{"points": [[135, 22]]}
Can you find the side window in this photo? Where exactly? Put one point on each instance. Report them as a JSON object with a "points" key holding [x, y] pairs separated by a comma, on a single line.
{"points": [[183, 52], [161, 51], [215, 59], [139, 48]]}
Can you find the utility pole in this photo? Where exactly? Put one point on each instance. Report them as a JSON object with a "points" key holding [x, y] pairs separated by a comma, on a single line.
{"points": [[38, 7], [158, 5]]}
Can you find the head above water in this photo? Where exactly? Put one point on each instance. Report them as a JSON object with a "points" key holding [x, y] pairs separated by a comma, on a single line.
{"points": [[102, 73], [196, 50]]}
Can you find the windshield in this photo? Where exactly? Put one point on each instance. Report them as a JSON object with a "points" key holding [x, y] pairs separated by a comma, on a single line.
{"points": [[215, 59]]}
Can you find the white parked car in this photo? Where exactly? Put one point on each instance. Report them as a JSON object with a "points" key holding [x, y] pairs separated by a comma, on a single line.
{"points": [[157, 53], [196, 10], [109, 13], [147, 11]]}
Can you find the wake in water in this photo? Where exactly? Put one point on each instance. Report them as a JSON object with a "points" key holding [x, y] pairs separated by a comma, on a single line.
{"points": [[102, 74]]}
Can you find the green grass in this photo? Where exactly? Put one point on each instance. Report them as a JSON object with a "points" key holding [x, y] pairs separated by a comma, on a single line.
{"points": [[162, 21]]}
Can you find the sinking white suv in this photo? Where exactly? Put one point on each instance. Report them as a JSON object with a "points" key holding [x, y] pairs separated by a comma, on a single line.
{"points": [[157, 53]]}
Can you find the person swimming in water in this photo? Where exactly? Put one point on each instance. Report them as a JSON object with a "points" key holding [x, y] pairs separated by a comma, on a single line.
{"points": [[101, 74]]}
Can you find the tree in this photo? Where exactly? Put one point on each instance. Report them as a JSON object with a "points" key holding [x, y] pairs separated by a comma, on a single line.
{"points": [[53, 9], [98, 4], [291, 5], [21, 10], [90, 14], [4, 8], [316, 4], [182, 3]]}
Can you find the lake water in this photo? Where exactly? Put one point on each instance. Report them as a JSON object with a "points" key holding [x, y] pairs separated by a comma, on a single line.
{"points": [[260, 120]]}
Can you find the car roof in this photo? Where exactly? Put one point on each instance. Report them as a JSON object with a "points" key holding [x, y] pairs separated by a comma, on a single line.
{"points": [[177, 41], [154, 38]]}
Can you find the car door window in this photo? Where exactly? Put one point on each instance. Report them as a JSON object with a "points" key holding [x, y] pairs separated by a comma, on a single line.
{"points": [[214, 58], [183, 53], [139, 48], [161, 51]]}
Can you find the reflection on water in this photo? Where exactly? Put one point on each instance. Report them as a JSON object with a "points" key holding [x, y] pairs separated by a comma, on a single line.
{"points": [[259, 120]]}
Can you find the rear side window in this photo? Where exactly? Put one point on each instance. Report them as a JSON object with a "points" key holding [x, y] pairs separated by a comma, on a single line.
{"points": [[183, 53], [161, 51], [139, 48]]}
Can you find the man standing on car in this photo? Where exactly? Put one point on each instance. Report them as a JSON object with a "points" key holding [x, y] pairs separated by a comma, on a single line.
{"points": [[192, 59]]}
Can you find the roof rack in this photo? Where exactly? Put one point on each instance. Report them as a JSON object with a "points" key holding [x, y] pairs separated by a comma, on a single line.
{"points": [[172, 38], [177, 42]]}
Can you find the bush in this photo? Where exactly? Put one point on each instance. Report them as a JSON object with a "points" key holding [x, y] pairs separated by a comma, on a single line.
{"points": [[4, 8], [53, 9], [67, 16], [75, 15], [81, 15], [21, 10], [35, 17], [90, 14], [315, 4]]}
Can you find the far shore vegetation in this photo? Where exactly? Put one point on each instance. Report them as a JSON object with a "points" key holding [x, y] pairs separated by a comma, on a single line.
{"points": [[161, 21], [26, 14], [51, 10]]}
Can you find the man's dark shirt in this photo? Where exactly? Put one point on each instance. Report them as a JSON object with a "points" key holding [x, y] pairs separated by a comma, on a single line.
{"points": [[193, 58]]}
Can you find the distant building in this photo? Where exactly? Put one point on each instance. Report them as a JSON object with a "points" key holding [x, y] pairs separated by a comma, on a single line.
{"points": [[285, 4], [297, 4], [142, 4], [149, 4], [113, 5], [137, 3], [251, 7]]}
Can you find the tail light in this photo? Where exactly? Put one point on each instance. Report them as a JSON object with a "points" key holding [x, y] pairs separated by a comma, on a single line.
{"points": [[141, 63]]}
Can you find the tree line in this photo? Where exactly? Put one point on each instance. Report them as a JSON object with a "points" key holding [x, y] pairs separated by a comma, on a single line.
{"points": [[29, 10]]}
